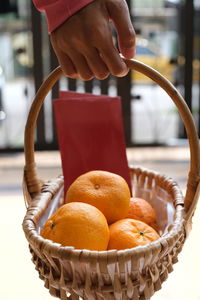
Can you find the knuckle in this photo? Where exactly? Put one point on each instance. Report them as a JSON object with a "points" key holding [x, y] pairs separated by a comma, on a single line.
{"points": [[73, 41], [97, 35], [107, 50]]}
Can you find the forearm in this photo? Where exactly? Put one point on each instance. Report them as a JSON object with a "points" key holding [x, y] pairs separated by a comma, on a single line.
{"points": [[58, 11]]}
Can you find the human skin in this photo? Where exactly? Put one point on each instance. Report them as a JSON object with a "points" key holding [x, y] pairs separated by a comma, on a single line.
{"points": [[84, 43]]}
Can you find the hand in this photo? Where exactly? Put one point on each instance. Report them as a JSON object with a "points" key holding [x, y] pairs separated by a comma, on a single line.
{"points": [[84, 43]]}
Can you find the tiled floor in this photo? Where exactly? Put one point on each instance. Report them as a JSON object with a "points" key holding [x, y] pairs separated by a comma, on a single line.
{"points": [[18, 278]]}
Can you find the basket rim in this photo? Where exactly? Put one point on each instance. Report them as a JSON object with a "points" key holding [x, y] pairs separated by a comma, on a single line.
{"points": [[56, 250]]}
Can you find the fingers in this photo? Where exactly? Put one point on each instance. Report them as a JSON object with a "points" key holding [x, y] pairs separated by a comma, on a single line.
{"points": [[96, 64], [84, 68], [66, 64], [109, 52], [92, 63], [73, 64], [119, 13], [114, 62], [103, 58], [84, 43], [81, 66]]}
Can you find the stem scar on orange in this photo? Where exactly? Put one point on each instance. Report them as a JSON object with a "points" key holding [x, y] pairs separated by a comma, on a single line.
{"points": [[106, 191], [129, 233]]}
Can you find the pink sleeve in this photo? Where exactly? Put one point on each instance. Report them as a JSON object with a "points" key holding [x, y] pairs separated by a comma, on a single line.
{"points": [[58, 11]]}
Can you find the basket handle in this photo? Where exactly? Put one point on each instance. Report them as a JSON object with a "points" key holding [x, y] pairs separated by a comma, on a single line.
{"points": [[34, 184]]}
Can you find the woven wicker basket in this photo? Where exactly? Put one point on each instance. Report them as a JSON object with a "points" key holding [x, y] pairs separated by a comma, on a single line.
{"points": [[134, 273]]}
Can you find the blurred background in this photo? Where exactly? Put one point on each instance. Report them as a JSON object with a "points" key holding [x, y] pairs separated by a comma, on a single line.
{"points": [[168, 39]]}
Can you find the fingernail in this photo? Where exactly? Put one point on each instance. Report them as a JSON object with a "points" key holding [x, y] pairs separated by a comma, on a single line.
{"points": [[75, 76], [124, 72]]}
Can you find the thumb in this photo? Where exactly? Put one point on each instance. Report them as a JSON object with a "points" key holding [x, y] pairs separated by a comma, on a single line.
{"points": [[119, 14]]}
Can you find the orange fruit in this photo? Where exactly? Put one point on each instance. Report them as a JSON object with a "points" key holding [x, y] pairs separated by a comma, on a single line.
{"points": [[79, 225], [106, 191], [140, 209], [129, 233]]}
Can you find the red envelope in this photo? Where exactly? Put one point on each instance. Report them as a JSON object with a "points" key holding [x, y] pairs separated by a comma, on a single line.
{"points": [[90, 135]]}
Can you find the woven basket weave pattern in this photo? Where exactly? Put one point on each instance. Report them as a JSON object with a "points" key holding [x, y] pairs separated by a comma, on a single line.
{"points": [[130, 274], [135, 273]]}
